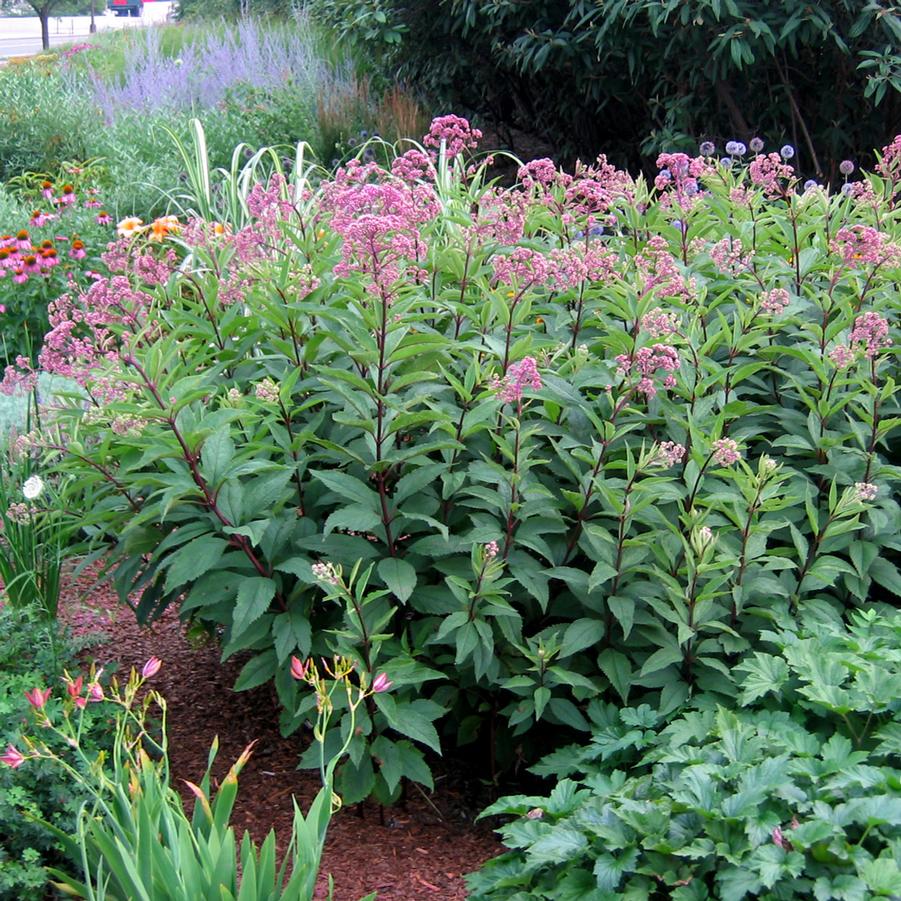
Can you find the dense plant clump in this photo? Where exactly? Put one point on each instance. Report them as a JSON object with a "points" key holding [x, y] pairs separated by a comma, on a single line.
{"points": [[522, 450], [58, 247], [793, 795], [655, 75]]}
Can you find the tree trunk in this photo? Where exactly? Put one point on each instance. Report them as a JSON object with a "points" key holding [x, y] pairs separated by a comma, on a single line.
{"points": [[44, 14]]}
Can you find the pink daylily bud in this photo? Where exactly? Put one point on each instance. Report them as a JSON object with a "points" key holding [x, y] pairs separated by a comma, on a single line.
{"points": [[95, 692], [298, 668], [38, 698], [12, 757], [151, 668], [74, 688], [381, 683]]}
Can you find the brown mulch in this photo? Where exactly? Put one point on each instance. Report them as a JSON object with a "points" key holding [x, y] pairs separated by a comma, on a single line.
{"points": [[418, 851]]}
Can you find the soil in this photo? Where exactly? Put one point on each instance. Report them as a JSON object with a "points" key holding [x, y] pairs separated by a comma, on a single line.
{"points": [[418, 851]]}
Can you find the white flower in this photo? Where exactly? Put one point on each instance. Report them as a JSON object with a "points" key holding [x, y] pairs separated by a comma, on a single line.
{"points": [[32, 488]]}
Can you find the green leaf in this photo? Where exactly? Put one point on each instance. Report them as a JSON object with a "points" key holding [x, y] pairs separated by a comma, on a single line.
{"points": [[254, 596], [399, 576], [352, 519], [291, 631], [257, 670], [193, 560], [413, 719], [349, 487], [217, 452], [616, 667], [580, 634]]}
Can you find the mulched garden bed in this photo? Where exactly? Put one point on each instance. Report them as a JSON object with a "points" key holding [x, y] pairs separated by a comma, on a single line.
{"points": [[418, 851]]}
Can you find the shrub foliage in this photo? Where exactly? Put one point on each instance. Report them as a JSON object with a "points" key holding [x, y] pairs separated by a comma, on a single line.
{"points": [[578, 439], [659, 74]]}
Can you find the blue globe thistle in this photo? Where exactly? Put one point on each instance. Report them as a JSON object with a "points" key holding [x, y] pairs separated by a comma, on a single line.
{"points": [[732, 148], [726, 161], [810, 184], [847, 188], [756, 145], [787, 152], [596, 230], [846, 167], [707, 148]]}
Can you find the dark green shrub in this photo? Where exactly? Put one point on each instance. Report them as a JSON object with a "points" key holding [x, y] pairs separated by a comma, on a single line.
{"points": [[796, 794], [655, 75], [583, 460]]}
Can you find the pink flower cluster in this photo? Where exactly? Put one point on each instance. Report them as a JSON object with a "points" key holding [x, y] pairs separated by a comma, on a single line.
{"points": [[775, 302], [659, 271], [577, 263], [862, 244], [669, 454], [413, 166], [889, 166], [500, 216], [456, 133], [521, 375], [678, 179], [729, 256], [659, 323], [767, 170], [87, 332], [870, 334], [725, 452], [542, 173], [647, 362], [522, 268]]}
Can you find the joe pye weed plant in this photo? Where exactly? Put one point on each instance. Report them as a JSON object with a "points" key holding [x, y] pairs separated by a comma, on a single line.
{"points": [[577, 439]]}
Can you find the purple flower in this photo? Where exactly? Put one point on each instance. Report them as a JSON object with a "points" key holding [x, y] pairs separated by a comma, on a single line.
{"points": [[787, 152], [756, 145], [707, 148], [846, 167], [523, 374]]}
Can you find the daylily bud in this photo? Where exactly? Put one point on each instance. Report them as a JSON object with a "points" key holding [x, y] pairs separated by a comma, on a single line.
{"points": [[38, 698], [151, 668], [381, 683], [12, 757], [298, 668]]}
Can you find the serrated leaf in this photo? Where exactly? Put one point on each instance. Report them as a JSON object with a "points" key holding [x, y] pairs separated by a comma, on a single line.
{"points": [[193, 560], [254, 596]]}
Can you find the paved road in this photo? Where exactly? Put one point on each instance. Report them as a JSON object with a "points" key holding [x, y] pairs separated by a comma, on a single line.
{"points": [[22, 36]]}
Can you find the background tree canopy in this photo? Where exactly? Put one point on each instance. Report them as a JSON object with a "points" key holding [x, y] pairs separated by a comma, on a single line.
{"points": [[632, 77]]}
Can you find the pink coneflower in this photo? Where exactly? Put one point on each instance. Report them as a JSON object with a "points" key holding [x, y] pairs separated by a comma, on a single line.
{"points": [[67, 198], [20, 276], [47, 190], [30, 265], [39, 218], [77, 251], [103, 218], [23, 240], [49, 258]]}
